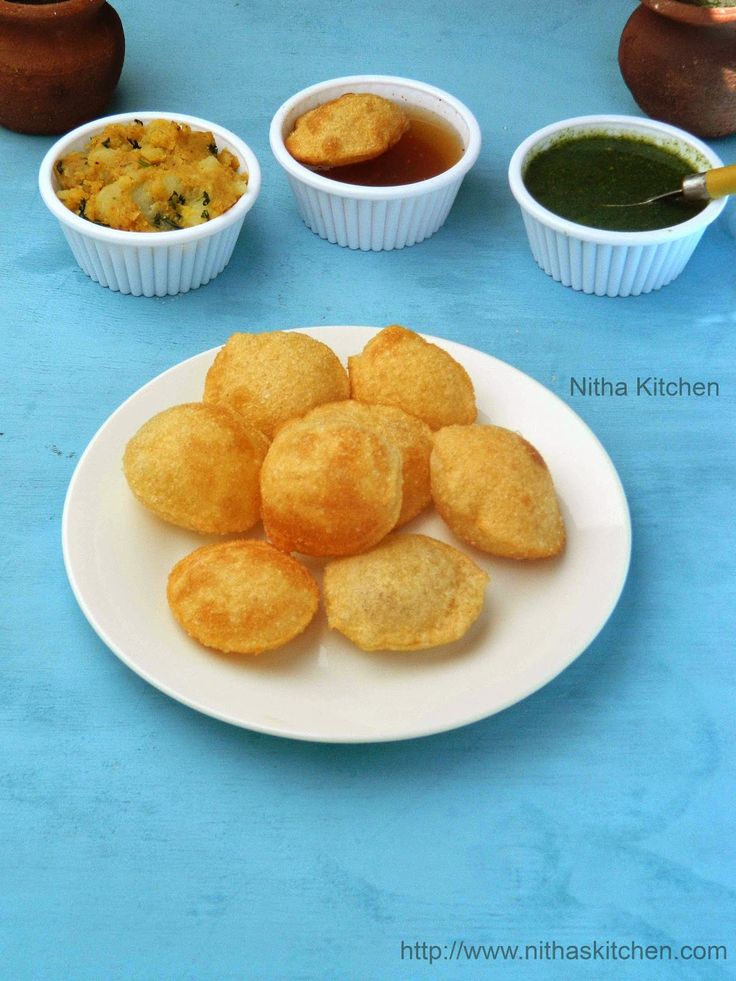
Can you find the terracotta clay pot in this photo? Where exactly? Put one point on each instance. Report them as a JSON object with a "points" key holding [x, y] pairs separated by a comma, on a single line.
{"points": [[679, 60], [59, 63]]}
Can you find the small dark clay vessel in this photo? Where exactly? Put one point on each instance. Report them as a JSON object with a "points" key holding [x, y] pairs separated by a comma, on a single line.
{"points": [[59, 62], [679, 60]]}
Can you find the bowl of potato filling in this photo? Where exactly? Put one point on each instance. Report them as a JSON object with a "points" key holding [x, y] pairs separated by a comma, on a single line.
{"points": [[150, 203]]}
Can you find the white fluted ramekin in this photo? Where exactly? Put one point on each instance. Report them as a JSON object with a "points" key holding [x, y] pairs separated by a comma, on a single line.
{"points": [[375, 218], [609, 263], [151, 263]]}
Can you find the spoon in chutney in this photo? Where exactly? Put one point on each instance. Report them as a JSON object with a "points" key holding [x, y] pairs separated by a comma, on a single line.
{"points": [[706, 186]]}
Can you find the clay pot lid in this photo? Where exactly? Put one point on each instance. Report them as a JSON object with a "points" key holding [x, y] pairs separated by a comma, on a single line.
{"points": [[689, 13], [55, 10]]}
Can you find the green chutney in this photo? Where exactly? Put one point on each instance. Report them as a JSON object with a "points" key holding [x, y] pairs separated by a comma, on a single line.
{"points": [[577, 176]]}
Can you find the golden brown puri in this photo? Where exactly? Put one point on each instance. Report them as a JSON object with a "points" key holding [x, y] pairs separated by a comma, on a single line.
{"points": [[398, 367], [347, 130], [409, 593], [410, 435], [494, 491], [198, 466], [274, 377], [329, 490], [242, 596]]}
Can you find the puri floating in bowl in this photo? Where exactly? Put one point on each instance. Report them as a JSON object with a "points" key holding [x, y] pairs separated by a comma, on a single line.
{"points": [[374, 161]]}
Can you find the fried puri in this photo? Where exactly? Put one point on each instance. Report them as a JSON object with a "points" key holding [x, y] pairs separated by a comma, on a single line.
{"points": [[198, 466], [348, 130], [330, 490], [495, 492], [274, 377], [410, 435], [398, 367], [409, 593], [242, 597]]}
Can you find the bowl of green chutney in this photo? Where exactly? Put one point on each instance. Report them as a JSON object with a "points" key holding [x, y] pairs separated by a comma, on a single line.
{"points": [[574, 180]]}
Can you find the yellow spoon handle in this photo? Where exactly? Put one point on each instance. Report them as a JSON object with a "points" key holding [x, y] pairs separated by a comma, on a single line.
{"points": [[721, 181]]}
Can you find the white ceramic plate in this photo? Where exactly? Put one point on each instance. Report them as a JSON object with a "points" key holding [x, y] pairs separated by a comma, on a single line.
{"points": [[538, 616]]}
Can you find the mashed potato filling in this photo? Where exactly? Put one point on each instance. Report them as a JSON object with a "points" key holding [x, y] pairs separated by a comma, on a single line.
{"points": [[150, 177]]}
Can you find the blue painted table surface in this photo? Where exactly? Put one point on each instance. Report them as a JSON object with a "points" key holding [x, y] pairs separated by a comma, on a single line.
{"points": [[141, 840]]}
